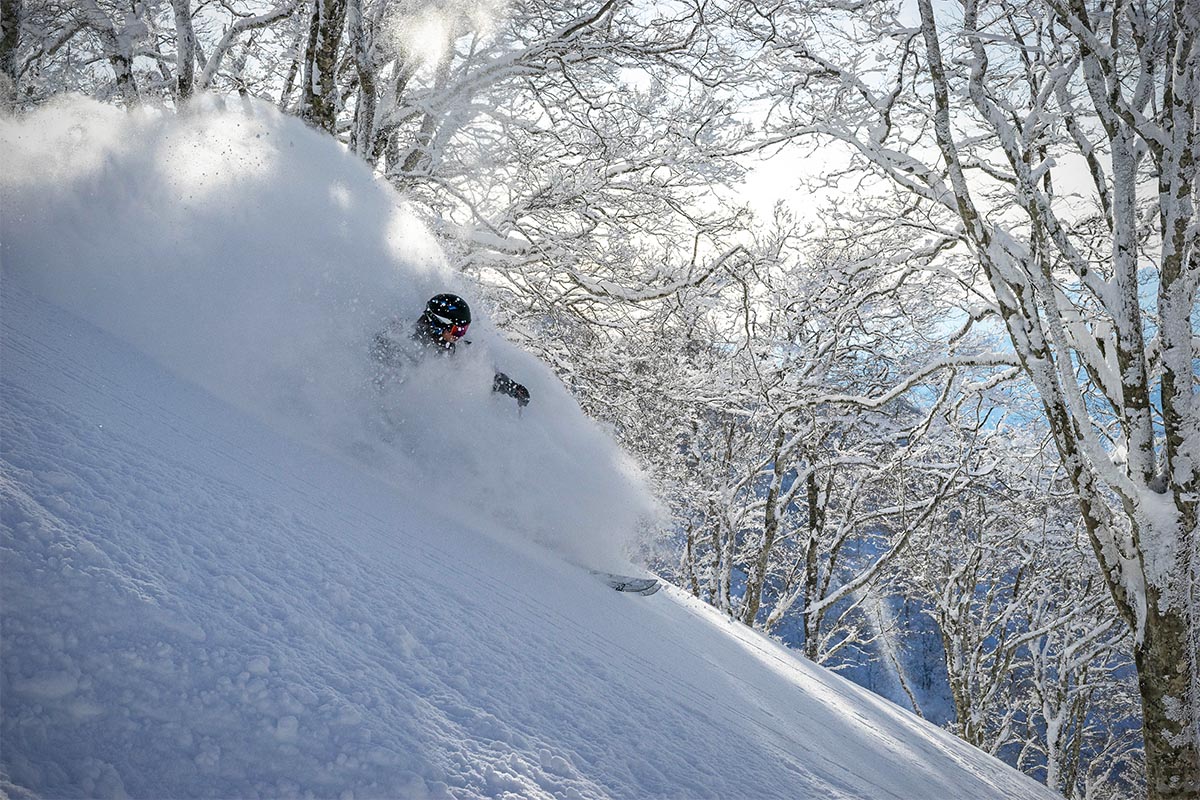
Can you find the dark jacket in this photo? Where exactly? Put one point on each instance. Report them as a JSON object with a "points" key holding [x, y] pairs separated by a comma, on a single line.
{"points": [[395, 350]]}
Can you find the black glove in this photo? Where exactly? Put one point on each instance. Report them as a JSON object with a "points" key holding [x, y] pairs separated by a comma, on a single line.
{"points": [[522, 395], [506, 385]]}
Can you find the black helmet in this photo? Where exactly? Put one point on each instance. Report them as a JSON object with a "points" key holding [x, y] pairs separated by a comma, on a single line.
{"points": [[445, 320], [447, 310]]}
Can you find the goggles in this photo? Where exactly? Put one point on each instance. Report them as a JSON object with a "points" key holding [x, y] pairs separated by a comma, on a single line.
{"points": [[456, 330]]}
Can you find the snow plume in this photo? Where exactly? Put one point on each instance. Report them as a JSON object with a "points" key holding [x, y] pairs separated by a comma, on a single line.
{"points": [[257, 258]]}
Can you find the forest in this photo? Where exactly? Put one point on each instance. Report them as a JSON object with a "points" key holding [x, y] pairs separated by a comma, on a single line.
{"points": [[932, 418]]}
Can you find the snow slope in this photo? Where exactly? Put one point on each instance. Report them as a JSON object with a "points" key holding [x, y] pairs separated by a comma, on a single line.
{"points": [[209, 591]]}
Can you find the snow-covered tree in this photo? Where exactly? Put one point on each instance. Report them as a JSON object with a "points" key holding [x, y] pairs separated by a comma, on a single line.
{"points": [[11, 12], [985, 118], [793, 494], [1036, 660], [155, 51]]}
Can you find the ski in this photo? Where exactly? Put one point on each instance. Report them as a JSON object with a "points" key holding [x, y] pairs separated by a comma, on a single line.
{"points": [[629, 583]]}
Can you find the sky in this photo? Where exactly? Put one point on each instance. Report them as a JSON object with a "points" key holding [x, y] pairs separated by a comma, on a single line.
{"points": [[230, 566]]}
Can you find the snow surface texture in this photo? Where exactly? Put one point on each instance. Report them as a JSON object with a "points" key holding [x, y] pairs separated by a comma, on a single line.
{"points": [[208, 591]]}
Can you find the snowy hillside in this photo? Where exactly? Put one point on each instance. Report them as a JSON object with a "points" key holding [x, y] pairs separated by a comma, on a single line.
{"points": [[230, 567]]}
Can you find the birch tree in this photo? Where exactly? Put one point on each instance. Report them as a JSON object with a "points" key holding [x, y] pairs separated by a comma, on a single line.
{"points": [[321, 97], [1038, 664], [978, 117], [156, 51], [11, 12], [792, 490], [1034, 656], [572, 162]]}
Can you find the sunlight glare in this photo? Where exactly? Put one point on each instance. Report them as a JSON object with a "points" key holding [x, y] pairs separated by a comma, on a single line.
{"points": [[428, 32]]}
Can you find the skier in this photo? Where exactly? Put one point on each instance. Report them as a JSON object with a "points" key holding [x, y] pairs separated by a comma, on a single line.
{"points": [[438, 330]]}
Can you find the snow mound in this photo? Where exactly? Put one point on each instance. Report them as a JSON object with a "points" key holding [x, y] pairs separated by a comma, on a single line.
{"points": [[256, 258]]}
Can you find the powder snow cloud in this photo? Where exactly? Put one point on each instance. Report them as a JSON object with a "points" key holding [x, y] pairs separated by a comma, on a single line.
{"points": [[256, 258]]}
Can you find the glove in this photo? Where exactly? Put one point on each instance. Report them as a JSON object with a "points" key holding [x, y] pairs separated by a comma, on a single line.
{"points": [[506, 385]]}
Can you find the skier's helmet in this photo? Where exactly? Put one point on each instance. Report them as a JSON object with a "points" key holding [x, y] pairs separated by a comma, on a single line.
{"points": [[447, 313]]}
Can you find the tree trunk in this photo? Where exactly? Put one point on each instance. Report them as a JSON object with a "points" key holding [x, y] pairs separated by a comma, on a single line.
{"points": [[127, 88], [10, 37], [385, 145], [185, 55], [289, 81], [1161, 619], [757, 579], [320, 99], [418, 153], [689, 560], [1172, 760], [362, 135], [816, 521]]}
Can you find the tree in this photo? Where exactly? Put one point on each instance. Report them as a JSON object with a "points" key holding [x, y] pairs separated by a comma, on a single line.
{"points": [[155, 50], [10, 37], [1096, 288], [117, 32], [1036, 659], [320, 96], [794, 492]]}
